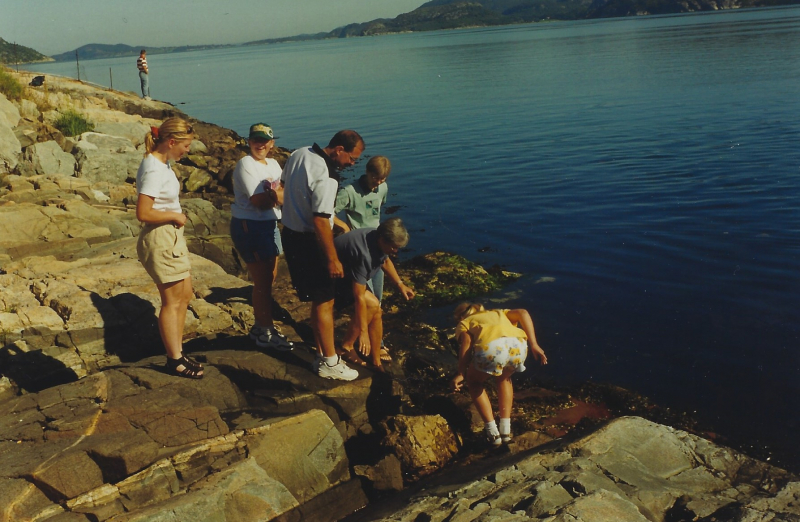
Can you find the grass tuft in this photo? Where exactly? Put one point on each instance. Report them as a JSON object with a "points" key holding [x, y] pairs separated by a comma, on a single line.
{"points": [[72, 123], [9, 86]]}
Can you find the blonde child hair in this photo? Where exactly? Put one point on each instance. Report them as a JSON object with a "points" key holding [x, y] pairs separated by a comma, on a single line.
{"points": [[380, 166], [172, 128], [464, 310]]}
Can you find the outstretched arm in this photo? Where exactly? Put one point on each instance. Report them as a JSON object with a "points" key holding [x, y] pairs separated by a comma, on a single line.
{"points": [[394, 277], [464, 344], [523, 318]]}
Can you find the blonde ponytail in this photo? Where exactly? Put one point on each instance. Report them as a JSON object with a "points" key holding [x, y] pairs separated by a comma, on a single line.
{"points": [[172, 128]]}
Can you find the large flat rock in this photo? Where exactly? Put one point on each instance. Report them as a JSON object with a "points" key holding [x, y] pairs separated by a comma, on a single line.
{"points": [[629, 470]]}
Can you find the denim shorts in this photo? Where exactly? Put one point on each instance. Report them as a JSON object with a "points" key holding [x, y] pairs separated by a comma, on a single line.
{"points": [[256, 240]]}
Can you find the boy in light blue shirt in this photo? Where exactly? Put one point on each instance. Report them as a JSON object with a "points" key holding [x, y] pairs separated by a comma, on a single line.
{"points": [[361, 202]]}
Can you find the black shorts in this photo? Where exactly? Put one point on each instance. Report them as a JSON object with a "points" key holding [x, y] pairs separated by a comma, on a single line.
{"points": [[308, 266], [344, 293]]}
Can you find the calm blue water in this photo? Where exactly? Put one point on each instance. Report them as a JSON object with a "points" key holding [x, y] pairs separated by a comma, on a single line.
{"points": [[648, 165]]}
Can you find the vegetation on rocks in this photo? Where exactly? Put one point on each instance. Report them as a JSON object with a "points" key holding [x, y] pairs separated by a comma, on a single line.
{"points": [[73, 123], [440, 278], [10, 86]]}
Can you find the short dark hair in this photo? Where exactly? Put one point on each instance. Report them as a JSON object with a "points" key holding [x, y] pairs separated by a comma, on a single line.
{"points": [[349, 139], [142, 51]]}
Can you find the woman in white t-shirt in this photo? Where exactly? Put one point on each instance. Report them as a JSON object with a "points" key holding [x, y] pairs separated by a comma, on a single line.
{"points": [[255, 212], [161, 246]]}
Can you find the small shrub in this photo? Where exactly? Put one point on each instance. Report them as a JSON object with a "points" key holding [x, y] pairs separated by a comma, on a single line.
{"points": [[9, 86], [71, 123]]}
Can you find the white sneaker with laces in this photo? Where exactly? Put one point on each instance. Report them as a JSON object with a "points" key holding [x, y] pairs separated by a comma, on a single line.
{"points": [[266, 337], [338, 371]]}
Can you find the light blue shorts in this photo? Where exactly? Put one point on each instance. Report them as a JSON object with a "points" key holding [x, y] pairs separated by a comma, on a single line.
{"points": [[256, 240]]}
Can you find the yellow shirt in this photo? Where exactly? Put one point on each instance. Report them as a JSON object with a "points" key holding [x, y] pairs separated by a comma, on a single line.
{"points": [[485, 327]]}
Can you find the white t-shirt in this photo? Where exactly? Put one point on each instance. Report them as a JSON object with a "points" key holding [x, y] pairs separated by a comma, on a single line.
{"points": [[308, 190], [157, 180], [249, 178]]}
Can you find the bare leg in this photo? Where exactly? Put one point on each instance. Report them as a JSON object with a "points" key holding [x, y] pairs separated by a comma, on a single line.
{"points": [[375, 325], [505, 393], [263, 274], [476, 380], [322, 323], [351, 335], [376, 334], [175, 298]]}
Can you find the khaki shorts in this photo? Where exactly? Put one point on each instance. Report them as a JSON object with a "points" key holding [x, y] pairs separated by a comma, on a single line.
{"points": [[163, 252]]}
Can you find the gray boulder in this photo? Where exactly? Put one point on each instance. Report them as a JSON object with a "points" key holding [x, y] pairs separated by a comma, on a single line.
{"points": [[134, 132], [198, 147], [49, 159], [9, 114], [104, 158], [10, 147]]}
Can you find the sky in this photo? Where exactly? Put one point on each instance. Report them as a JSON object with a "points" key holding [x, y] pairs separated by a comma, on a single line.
{"points": [[57, 26]]}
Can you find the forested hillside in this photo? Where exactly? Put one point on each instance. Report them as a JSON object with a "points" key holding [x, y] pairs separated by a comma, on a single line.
{"points": [[11, 53]]}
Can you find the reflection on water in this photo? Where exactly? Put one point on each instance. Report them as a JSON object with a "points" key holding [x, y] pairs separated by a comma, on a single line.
{"points": [[648, 165]]}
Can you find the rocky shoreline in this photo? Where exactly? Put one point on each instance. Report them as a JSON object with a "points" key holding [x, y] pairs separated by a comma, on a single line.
{"points": [[92, 429]]}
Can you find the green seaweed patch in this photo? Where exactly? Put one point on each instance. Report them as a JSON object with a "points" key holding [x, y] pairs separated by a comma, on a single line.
{"points": [[441, 278]]}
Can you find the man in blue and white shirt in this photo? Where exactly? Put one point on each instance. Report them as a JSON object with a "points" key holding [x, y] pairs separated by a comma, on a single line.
{"points": [[311, 180]]}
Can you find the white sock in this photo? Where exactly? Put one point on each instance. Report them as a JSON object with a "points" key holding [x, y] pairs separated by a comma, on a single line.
{"points": [[491, 428], [505, 426], [331, 361]]}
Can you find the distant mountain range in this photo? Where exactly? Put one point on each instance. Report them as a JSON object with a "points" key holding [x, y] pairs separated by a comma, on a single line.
{"points": [[96, 51], [11, 53], [452, 14]]}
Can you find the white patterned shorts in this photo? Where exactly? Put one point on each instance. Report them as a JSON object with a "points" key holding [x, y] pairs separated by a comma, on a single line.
{"points": [[502, 353]]}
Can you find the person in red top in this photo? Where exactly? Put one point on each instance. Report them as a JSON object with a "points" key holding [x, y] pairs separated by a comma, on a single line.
{"points": [[144, 75]]}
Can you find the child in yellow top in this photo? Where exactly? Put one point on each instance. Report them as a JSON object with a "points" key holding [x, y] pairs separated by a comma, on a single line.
{"points": [[498, 342]]}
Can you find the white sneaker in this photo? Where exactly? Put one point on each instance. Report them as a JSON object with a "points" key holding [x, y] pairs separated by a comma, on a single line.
{"points": [[338, 371], [266, 337]]}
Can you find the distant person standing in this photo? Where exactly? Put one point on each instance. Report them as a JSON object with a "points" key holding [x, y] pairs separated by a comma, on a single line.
{"points": [[144, 75], [311, 180]]}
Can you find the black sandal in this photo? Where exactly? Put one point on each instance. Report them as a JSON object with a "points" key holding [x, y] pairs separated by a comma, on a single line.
{"points": [[351, 356], [191, 368]]}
